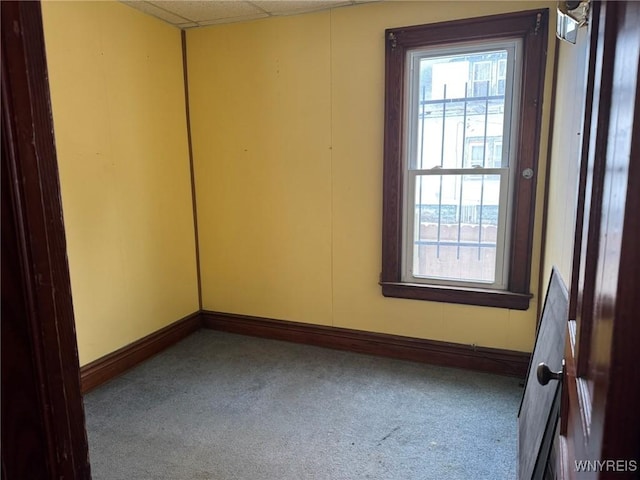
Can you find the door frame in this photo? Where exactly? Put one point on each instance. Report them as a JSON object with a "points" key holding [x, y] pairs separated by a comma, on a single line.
{"points": [[40, 364]]}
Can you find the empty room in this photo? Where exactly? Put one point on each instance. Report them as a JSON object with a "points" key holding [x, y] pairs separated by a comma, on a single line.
{"points": [[320, 239]]}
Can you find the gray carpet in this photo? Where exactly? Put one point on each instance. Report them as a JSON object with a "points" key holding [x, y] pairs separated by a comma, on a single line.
{"points": [[229, 407]]}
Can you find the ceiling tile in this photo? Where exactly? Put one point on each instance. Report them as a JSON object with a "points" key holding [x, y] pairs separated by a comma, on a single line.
{"points": [[244, 18], [191, 14], [160, 13], [285, 7], [202, 11]]}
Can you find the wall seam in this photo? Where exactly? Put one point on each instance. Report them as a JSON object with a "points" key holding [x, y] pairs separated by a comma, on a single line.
{"points": [[183, 39], [331, 216]]}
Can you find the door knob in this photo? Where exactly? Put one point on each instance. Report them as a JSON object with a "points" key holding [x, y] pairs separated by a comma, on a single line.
{"points": [[545, 375]]}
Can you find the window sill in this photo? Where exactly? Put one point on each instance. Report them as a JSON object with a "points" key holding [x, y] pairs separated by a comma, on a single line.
{"points": [[461, 295]]}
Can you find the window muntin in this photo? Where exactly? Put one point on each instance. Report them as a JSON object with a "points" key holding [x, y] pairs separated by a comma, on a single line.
{"points": [[457, 179]]}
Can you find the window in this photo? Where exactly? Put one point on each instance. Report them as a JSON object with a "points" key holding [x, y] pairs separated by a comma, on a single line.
{"points": [[482, 151], [462, 126], [501, 77], [481, 78]]}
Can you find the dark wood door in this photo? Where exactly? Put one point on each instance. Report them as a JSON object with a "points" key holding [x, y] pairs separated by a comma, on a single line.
{"points": [[599, 434]]}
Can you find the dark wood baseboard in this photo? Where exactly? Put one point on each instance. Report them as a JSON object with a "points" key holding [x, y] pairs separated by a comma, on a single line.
{"points": [[100, 371], [491, 360]]}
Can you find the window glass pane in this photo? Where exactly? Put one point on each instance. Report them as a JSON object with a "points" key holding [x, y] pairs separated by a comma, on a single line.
{"points": [[459, 97], [455, 233]]}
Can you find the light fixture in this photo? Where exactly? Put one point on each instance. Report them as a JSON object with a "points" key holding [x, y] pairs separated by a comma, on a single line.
{"points": [[571, 16]]}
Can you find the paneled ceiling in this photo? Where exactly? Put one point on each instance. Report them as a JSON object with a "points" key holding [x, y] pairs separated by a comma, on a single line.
{"points": [[191, 14]]}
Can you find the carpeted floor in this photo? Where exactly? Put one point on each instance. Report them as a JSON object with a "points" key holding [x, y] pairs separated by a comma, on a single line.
{"points": [[229, 407]]}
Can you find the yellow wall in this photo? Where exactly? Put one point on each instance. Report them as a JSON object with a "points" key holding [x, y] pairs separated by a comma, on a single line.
{"points": [[260, 116], [287, 124], [564, 162], [118, 104]]}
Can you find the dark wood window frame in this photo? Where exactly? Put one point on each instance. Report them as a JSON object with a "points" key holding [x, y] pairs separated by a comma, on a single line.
{"points": [[529, 26]]}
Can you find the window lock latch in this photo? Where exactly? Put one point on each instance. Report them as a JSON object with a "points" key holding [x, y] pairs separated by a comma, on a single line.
{"points": [[527, 173]]}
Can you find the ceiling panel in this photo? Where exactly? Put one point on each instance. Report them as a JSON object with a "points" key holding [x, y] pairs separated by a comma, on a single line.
{"points": [[201, 11], [244, 18], [275, 7], [191, 14], [155, 11]]}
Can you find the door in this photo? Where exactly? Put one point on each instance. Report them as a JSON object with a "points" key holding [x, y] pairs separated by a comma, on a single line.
{"points": [[599, 431]]}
